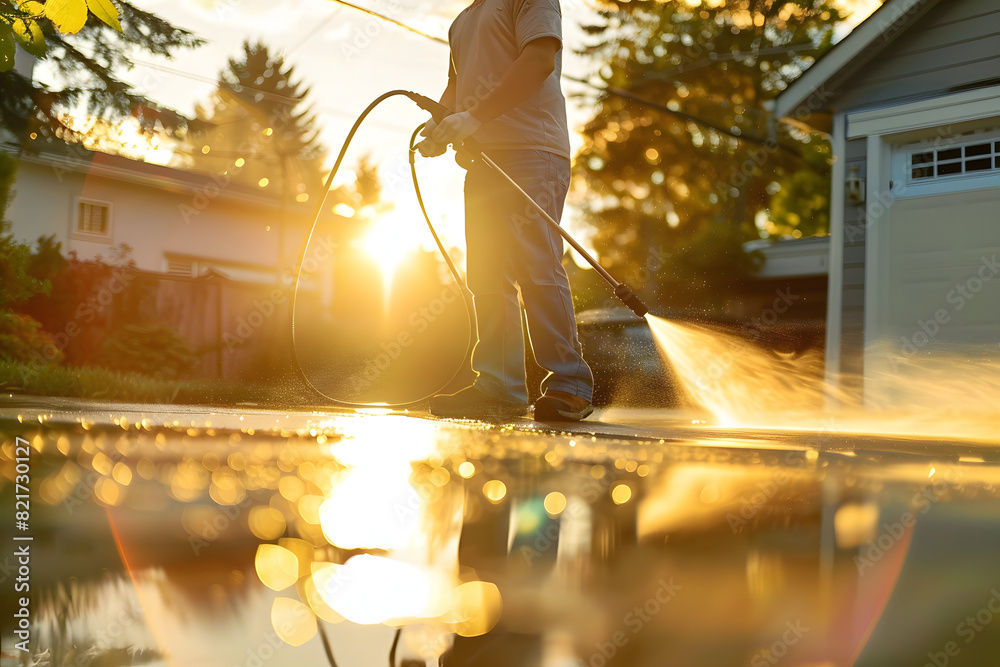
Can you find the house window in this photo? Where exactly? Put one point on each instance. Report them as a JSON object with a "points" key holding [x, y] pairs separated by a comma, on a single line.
{"points": [[93, 218], [180, 267], [966, 159]]}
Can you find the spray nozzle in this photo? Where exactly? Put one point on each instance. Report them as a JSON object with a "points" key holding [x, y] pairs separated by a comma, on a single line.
{"points": [[628, 297], [437, 110]]}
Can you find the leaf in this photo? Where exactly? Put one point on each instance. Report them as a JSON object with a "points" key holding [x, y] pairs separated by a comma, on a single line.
{"points": [[68, 16], [29, 36], [107, 12], [32, 7], [7, 48]]}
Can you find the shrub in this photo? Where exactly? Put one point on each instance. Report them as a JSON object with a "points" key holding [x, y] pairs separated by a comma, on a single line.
{"points": [[154, 350], [22, 339]]}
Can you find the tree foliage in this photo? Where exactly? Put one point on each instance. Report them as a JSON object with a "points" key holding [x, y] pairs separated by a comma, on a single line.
{"points": [[21, 336], [17, 284], [87, 52], [687, 175], [259, 125]]}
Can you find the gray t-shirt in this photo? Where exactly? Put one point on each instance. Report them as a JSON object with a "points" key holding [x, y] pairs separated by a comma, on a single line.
{"points": [[485, 40]]}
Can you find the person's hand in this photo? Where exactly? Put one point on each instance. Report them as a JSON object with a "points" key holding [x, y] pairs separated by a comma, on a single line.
{"points": [[429, 147], [456, 128], [428, 127]]}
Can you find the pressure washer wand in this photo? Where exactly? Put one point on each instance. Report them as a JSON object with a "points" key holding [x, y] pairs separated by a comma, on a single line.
{"points": [[438, 112]]}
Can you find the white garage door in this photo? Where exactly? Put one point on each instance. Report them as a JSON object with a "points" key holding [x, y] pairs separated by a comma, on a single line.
{"points": [[934, 276]]}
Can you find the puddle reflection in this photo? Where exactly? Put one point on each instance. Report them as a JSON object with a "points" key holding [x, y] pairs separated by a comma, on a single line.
{"points": [[357, 536]]}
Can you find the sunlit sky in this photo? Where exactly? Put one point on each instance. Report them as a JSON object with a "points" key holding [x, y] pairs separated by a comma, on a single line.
{"points": [[312, 33]]}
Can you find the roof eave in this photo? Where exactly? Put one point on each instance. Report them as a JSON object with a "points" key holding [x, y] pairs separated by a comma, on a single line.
{"points": [[811, 92]]}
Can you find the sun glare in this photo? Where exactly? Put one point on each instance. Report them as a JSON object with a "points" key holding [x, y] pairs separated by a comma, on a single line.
{"points": [[123, 138], [391, 242]]}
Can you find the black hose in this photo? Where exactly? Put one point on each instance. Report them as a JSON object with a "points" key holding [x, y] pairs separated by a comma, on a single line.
{"points": [[326, 194], [395, 645], [469, 149], [319, 211], [420, 200]]}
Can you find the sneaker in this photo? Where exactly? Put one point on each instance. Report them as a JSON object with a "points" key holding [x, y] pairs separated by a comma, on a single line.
{"points": [[561, 406], [470, 403]]}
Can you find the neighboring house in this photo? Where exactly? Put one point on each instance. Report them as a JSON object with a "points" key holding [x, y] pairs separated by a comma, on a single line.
{"points": [[914, 97], [215, 259], [175, 221]]}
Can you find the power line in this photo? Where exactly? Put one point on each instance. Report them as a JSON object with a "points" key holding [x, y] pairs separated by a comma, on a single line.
{"points": [[618, 92], [607, 90], [273, 96], [312, 33], [393, 21], [277, 97]]}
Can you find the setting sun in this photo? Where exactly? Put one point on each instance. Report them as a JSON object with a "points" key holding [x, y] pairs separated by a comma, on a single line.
{"points": [[392, 240]]}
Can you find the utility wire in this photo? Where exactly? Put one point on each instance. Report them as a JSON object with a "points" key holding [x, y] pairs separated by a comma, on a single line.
{"points": [[393, 21], [624, 94], [720, 57], [312, 33], [618, 92], [275, 97]]}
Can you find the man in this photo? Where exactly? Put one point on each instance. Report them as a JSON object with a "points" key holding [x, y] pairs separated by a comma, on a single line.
{"points": [[503, 83]]}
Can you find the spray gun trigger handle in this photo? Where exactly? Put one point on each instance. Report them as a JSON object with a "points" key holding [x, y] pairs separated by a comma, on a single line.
{"points": [[437, 110]]}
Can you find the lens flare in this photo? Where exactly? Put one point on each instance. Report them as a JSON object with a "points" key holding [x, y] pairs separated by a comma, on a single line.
{"points": [[372, 589], [475, 608], [292, 621], [277, 567]]}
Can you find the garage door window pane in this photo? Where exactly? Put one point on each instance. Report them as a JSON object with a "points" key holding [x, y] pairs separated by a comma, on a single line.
{"points": [[978, 149], [974, 158], [978, 165]]}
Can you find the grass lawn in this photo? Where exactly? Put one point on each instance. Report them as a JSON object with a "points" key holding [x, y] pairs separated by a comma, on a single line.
{"points": [[97, 383]]}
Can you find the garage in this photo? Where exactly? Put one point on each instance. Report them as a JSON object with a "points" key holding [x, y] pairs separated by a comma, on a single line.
{"points": [[911, 102]]}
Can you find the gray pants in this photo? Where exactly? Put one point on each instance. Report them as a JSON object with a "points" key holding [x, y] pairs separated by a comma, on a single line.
{"points": [[512, 248]]}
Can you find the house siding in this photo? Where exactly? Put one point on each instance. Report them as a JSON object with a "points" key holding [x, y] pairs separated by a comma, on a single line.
{"points": [[238, 238], [853, 297], [955, 46]]}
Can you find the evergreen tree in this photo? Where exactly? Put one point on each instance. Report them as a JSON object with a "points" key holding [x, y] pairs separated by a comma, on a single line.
{"points": [[87, 64], [258, 126], [685, 177]]}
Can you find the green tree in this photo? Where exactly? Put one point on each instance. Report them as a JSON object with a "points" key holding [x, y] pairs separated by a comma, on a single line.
{"points": [[686, 176], [21, 336], [801, 205], [17, 284], [258, 125], [87, 52]]}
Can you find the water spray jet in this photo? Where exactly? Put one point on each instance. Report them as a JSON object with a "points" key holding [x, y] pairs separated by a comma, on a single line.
{"points": [[745, 385]]}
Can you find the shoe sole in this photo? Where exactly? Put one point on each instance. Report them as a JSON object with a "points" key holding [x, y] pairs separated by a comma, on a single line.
{"points": [[547, 413]]}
